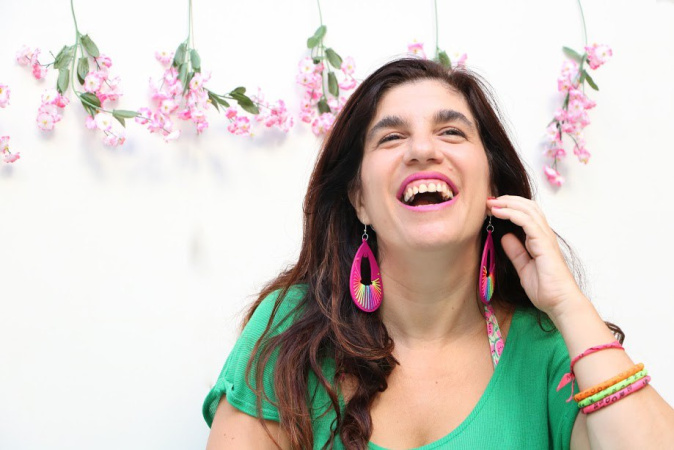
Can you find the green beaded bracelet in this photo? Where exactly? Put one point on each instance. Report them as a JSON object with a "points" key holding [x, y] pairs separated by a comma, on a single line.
{"points": [[612, 389]]}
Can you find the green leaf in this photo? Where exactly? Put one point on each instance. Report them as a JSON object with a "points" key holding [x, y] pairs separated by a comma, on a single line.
{"points": [[182, 73], [323, 106], [314, 40], [90, 100], [444, 59], [239, 90], [63, 80], [125, 113], [82, 69], [195, 60], [64, 57], [89, 46], [316, 59], [572, 54], [120, 120], [590, 81], [245, 103], [333, 58], [179, 56], [190, 75], [333, 87]]}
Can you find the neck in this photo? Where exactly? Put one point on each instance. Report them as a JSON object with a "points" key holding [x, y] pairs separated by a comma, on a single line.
{"points": [[431, 296]]}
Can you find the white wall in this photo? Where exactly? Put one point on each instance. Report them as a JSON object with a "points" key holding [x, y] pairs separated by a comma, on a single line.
{"points": [[123, 272]]}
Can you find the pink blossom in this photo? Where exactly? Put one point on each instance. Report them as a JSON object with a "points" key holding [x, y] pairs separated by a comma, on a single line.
{"points": [[104, 60], [553, 176], [11, 157], [416, 49], [45, 121], [323, 124], [319, 68], [568, 77], [164, 57], [90, 123], [459, 60], [172, 136], [4, 95], [306, 65], [347, 84], [39, 72], [113, 140], [552, 134], [231, 112], [348, 66], [598, 54], [24, 56], [4, 144], [555, 152], [93, 81], [103, 121], [240, 126]]}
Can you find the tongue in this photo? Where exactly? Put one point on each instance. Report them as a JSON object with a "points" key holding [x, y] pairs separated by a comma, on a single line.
{"points": [[427, 198]]}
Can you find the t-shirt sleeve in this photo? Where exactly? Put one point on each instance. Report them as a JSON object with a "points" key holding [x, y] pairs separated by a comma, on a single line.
{"points": [[233, 381], [562, 415]]}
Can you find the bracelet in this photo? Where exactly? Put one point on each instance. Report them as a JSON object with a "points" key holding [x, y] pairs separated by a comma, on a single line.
{"points": [[612, 389], [608, 383], [569, 377], [632, 388]]}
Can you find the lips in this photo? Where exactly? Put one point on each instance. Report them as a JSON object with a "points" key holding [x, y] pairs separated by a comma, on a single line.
{"points": [[420, 183]]}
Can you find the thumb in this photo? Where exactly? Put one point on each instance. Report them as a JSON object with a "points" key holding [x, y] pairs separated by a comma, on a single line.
{"points": [[516, 252]]}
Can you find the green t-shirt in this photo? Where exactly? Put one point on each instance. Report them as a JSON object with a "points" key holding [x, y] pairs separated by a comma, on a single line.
{"points": [[519, 409]]}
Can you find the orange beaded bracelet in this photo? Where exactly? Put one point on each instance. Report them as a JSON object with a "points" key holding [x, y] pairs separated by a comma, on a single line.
{"points": [[606, 384]]}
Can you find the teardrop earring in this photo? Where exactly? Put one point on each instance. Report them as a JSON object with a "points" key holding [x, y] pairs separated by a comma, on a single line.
{"points": [[365, 282], [487, 267]]}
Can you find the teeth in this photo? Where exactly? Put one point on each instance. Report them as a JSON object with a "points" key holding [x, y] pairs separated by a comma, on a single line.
{"points": [[408, 195], [423, 188], [431, 187], [441, 187], [415, 190]]}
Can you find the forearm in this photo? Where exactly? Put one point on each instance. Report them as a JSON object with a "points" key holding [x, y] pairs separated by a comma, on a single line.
{"points": [[640, 420]]}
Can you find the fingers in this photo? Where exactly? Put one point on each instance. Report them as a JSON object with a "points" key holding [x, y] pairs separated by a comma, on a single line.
{"points": [[522, 212], [516, 252]]}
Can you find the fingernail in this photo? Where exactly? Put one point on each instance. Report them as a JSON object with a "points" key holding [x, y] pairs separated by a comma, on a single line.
{"points": [[491, 198]]}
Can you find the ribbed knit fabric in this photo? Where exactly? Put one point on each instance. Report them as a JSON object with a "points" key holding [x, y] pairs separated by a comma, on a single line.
{"points": [[519, 409]]}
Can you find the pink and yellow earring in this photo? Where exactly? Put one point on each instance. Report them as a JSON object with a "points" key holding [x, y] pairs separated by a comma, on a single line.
{"points": [[365, 280]]}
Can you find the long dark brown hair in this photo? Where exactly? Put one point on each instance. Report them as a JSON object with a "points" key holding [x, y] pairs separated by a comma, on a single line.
{"points": [[327, 323]]}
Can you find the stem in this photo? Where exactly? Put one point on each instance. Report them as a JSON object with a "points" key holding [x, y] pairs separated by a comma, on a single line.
{"points": [[77, 45], [320, 14], [582, 16], [190, 33], [437, 31]]}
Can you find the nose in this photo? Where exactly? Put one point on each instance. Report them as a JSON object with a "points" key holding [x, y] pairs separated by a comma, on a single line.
{"points": [[422, 149]]}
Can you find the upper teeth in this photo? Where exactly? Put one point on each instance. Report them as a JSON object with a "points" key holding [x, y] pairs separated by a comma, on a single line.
{"points": [[436, 186]]}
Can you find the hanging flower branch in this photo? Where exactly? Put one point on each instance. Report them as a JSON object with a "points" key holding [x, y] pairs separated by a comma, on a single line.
{"points": [[181, 93], [417, 49], [572, 117], [319, 105], [7, 155], [83, 69]]}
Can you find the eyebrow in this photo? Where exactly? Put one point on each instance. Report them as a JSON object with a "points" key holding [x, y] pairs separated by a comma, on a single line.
{"points": [[443, 115]]}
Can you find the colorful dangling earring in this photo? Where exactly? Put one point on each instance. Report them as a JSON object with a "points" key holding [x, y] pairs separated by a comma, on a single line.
{"points": [[487, 276], [486, 287], [366, 291]]}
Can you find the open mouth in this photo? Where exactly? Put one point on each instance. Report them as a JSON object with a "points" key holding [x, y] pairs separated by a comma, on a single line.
{"points": [[426, 192]]}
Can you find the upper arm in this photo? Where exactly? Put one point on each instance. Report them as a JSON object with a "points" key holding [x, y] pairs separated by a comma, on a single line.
{"points": [[234, 429]]}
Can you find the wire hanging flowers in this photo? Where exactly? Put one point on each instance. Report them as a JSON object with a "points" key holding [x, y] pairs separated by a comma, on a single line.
{"points": [[84, 70], [321, 99], [7, 155]]}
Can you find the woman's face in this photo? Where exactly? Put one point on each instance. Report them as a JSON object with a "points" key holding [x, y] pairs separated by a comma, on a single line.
{"points": [[424, 174]]}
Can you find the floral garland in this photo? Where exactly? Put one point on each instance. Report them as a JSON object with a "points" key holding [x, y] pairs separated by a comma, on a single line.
{"points": [[572, 117], [7, 155], [319, 106], [417, 49]]}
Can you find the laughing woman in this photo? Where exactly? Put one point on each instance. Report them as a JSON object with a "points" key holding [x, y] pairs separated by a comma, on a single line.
{"points": [[431, 306]]}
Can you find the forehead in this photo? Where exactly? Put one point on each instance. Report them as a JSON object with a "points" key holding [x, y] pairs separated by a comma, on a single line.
{"points": [[420, 98]]}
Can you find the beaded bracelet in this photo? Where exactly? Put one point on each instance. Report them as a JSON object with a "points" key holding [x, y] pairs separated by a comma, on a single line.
{"points": [[632, 388], [608, 383], [570, 376], [612, 389]]}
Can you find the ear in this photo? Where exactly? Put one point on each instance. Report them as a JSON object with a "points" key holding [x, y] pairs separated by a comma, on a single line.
{"points": [[356, 200]]}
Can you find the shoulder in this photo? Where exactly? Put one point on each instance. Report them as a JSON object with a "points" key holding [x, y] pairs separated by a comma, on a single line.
{"points": [[536, 340], [277, 310]]}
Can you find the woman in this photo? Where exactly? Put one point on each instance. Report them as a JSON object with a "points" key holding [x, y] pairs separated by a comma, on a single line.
{"points": [[387, 348]]}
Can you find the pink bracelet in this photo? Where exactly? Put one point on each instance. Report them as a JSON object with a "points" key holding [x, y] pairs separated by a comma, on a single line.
{"points": [[569, 377], [632, 388]]}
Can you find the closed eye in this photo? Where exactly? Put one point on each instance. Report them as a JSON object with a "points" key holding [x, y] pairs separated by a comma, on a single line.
{"points": [[390, 137], [453, 132]]}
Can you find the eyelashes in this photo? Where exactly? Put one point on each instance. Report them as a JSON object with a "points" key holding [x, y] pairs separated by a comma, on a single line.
{"points": [[446, 132]]}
